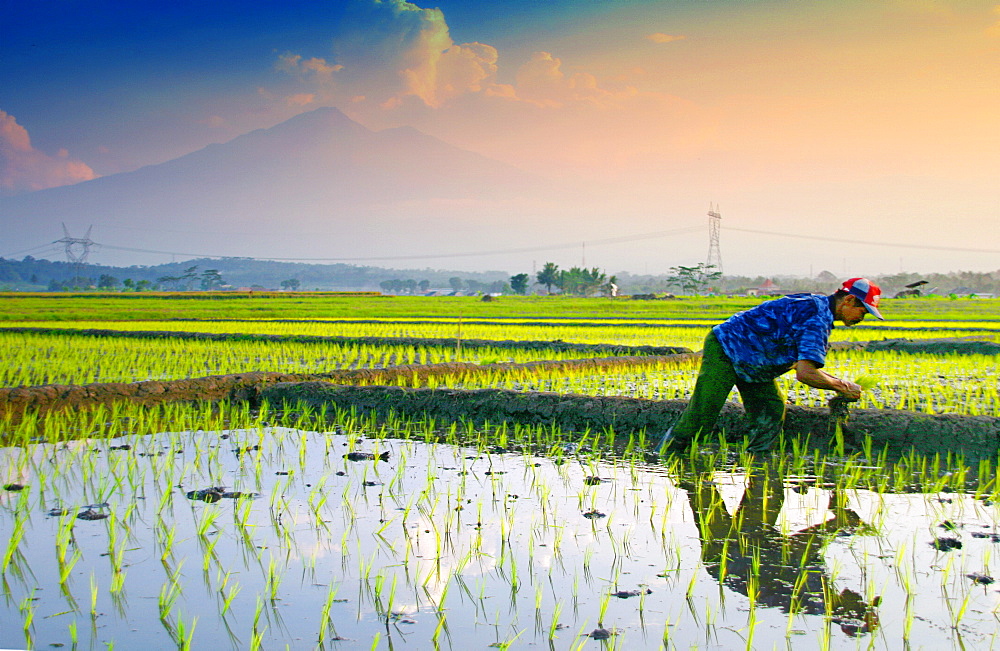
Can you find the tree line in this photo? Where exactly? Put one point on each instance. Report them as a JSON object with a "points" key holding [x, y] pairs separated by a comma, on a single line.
{"points": [[580, 281], [31, 274], [455, 284]]}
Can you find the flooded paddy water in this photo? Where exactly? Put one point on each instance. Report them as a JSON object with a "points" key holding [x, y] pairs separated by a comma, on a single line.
{"points": [[278, 537]]}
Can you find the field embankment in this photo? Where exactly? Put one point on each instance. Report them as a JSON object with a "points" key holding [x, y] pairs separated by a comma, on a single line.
{"points": [[370, 391], [556, 346], [940, 346]]}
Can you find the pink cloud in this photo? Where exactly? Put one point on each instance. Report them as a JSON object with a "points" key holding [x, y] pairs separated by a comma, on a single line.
{"points": [[542, 80], [300, 99], [660, 37], [315, 66], [25, 169]]}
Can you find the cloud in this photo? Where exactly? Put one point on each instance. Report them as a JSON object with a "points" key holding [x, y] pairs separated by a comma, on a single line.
{"points": [[398, 56], [542, 80], [393, 53], [300, 99], [994, 29], [394, 64], [660, 37], [312, 67], [25, 169]]}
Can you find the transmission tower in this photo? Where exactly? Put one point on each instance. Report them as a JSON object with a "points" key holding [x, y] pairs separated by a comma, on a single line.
{"points": [[714, 226], [77, 250]]}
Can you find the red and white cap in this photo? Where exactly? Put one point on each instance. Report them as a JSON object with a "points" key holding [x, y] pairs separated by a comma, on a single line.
{"points": [[865, 291]]}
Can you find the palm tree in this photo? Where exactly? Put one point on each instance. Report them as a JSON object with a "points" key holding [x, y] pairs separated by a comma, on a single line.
{"points": [[548, 276]]}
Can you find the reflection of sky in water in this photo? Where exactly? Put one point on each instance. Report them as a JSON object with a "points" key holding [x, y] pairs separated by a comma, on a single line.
{"points": [[484, 536]]}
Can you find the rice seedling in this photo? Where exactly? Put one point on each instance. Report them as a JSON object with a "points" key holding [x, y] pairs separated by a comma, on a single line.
{"points": [[27, 610], [490, 540]]}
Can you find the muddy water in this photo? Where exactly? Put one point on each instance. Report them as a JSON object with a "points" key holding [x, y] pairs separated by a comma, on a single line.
{"points": [[296, 538]]}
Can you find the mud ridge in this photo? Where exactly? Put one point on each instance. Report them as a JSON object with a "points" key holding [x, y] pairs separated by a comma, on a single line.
{"points": [[969, 345], [16, 400], [557, 345], [897, 432]]}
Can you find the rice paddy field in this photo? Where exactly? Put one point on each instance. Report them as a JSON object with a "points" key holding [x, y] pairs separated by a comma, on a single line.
{"points": [[214, 525]]}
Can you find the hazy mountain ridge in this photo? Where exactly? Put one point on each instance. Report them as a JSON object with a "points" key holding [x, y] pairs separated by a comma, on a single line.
{"points": [[318, 184], [34, 274]]}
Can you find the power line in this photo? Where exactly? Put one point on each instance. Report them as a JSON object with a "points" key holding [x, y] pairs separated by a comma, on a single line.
{"points": [[529, 249], [842, 240], [534, 249], [49, 245]]}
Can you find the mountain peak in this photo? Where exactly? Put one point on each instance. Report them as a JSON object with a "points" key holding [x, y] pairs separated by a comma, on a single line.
{"points": [[317, 184]]}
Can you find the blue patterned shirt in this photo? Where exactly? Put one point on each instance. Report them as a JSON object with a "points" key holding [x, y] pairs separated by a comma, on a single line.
{"points": [[767, 340]]}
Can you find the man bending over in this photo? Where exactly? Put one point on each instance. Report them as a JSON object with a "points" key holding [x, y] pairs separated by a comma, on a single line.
{"points": [[752, 348]]}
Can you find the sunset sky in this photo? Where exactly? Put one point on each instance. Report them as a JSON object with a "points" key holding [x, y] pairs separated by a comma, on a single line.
{"points": [[857, 136]]}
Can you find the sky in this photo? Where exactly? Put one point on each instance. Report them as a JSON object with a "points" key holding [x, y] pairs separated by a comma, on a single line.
{"points": [[852, 136]]}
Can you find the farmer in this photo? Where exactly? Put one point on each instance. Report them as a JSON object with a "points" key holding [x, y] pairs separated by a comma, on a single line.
{"points": [[752, 348]]}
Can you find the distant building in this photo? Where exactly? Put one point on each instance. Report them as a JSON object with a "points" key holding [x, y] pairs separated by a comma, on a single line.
{"points": [[767, 288]]}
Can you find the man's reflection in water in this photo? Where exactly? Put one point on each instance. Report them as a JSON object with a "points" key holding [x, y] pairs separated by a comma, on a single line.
{"points": [[747, 551]]}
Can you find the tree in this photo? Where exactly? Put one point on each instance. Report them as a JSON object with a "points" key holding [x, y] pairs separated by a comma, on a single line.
{"points": [[211, 279], [548, 276], [169, 280], [581, 282], [519, 283], [424, 285], [499, 287], [291, 284], [129, 284], [393, 286], [107, 282], [456, 283], [188, 277], [143, 285], [694, 279]]}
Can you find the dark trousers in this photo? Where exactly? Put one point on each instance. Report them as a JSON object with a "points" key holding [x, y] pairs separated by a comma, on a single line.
{"points": [[763, 402]]}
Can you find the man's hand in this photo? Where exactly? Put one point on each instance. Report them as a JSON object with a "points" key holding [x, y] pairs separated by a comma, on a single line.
{"points": [[851, 391], [807, 372]]}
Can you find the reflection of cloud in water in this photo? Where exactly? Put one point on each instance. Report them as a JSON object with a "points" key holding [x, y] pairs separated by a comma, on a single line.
{"points": [[433, 572]]}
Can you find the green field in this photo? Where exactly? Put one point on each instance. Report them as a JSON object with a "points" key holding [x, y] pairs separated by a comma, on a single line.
{"points": [[232, 524], [304, 305], [930, 383]]}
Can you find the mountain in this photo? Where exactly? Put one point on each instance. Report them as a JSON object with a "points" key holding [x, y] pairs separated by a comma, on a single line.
{"points": [[316, 186]]}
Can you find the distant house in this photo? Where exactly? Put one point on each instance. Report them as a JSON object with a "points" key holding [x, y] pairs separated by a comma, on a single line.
{"points": [[767, 288]]}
